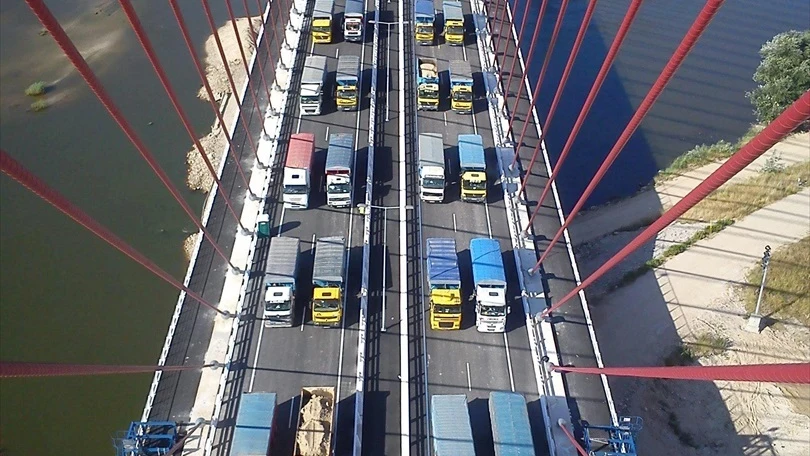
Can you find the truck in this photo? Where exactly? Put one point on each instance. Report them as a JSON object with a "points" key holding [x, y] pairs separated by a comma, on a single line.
{"points": [[425, 18], [453, 22], [473, 168], [489, 279], [328, 280], [339, 163], [431, 167], [313, 81], [427, 84], [511, 431], [280, 274], [450, 423], [347, 82], [297, 171], [321, 26], [255, 429], [313, 435], [461, 87], [353, 20], [444, 282]]}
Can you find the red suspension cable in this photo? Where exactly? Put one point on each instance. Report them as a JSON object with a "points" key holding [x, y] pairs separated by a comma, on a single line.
{"points": [[256, 37], [774, 373], [27, 179], [629, 16], [561, 423], [540, 77], [528, 62], [253, 92], [264, 39], [698, 27], [792, 117], [63, 40], [181, 23], [583, 27], [506, 28], [239, 103], [11, 369], [146, 44]]}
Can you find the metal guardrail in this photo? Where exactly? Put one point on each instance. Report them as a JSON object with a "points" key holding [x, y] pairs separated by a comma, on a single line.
{"points": [[359, 394]]}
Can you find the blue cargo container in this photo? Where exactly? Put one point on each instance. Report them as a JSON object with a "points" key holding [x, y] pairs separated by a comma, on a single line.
{"points": [[471, 153], [442, 263], [511, 431], [254, 428], [487, 263], [450, 421]]}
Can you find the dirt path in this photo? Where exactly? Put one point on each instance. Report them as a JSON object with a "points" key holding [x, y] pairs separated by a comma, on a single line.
{"points": [[691, 300]]}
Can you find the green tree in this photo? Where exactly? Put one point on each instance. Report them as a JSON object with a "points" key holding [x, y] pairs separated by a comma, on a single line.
{"points": [[783, 75]]}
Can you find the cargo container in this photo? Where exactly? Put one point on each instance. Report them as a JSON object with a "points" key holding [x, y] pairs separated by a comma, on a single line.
{"points": [[254, 431], [511, 431], [450, 423]]}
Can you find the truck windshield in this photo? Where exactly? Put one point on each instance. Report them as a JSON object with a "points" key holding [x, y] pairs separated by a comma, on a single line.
{"points": [[467, 185], [273, 306], [347, 93], [310, 99], [321, 28], [339, 188], [462, 96], [353, 26], [295, 189], [454, 30], [322, 305], [424, 28], [492, 311], [432, 182], [447, 309], [427, 93]]}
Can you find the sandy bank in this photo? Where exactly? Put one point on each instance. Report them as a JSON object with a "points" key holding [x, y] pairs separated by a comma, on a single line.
{"points": [[214, 142], [689, 300]]}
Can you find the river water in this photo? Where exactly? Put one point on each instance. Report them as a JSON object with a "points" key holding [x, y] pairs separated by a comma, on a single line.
{"points": [[66, 296]]}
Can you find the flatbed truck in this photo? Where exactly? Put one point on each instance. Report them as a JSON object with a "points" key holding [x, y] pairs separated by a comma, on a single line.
{"points": [[427, 84]]}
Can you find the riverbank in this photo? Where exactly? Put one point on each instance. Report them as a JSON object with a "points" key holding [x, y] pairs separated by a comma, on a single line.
{"points": [[689, 309], [199, 178]]}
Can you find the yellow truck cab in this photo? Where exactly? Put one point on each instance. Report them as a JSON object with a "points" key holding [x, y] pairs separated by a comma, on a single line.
{"points": [[322, 18], [473, 168], [453, 22], [347, 83], [461, 87], [425, 17], [444, 281], [328, 281]]}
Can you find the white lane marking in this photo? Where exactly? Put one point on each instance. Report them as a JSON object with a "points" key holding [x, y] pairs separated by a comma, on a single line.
{"points": [[454, 223], [326, 138], [464, 51], [388, 75], [312, 48], [281, 222], [489, 222], [469, 382], [292, 409], [445, 118], [337, 52], [300, 118], [509, 362], [404, 372], [256, 358]]}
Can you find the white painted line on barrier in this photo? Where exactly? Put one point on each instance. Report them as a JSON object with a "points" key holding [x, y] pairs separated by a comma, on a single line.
{"points": [[404, 372]]}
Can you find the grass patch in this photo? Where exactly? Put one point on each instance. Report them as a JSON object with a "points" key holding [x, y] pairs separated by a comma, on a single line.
{"points": [[673, 250], [36, 89], [787, 289], [39, 105], [705, 344], [704, 154], [740, 199]]}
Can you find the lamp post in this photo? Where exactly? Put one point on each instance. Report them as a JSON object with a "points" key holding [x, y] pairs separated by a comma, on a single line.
{"points": [[755, 320], [385, 210]]}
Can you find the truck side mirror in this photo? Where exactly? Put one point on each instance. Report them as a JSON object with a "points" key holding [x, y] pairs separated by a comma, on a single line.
{"points": [[508, 310]]}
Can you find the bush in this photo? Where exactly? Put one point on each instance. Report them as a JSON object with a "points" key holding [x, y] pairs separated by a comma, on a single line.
{"points": [[39, 105], [783, 75], [36, 89]]}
